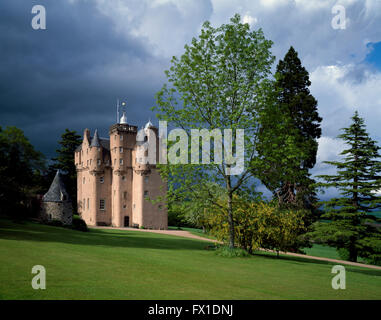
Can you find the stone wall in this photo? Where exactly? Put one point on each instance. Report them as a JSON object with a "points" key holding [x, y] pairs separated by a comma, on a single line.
{"points": [[61, 211]]}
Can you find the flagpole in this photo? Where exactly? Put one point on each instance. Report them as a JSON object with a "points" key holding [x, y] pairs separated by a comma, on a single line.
{"points": [[117, 111]]}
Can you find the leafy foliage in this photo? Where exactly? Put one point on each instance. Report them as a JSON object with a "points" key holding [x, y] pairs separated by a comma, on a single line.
{"points": [[228, 252], [79, 224], [220, 82], [21, 169], [259, 225]]}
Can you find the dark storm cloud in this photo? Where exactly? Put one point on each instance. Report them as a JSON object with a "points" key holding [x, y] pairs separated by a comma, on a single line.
{"points": [[69, 75]]}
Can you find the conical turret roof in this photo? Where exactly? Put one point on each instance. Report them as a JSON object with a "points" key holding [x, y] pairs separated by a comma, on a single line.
{"points": [[57, 191], [148, 125], [123, 119], [95, 142]]}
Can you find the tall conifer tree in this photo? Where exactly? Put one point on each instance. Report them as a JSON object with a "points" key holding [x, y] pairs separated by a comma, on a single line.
{"points": [[288, 140], [352, 228], [64, 161]]}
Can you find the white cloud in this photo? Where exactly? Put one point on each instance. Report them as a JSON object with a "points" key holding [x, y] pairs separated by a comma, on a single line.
{"points": [[306, 25], [341, 82], [271, 4], [247, 18], [166, 25], [329, 149], [169, 24], [341, 90]]}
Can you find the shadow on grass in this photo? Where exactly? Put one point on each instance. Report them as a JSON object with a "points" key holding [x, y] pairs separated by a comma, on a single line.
{"points": [[30, 231], [297, 260]]}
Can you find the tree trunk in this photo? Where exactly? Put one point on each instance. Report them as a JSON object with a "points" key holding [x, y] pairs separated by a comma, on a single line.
{"points": [[231, 222], [230, 211], [352, 252]]}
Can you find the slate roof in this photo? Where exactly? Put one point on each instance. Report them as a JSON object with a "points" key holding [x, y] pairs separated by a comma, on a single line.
{"points": [[104, 142], [95, 141], [56, 190]]}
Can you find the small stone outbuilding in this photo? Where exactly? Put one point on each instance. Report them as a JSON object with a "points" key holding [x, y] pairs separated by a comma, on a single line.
{"points": [[56, 204]]}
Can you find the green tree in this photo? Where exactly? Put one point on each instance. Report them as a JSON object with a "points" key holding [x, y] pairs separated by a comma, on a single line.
{"points": [[20, 173], [220, 82], [288, 137], [351, 225], [64, 161]]}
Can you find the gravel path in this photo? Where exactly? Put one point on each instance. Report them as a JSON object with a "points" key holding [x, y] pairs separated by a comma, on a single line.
{"points": [[187, 234]]}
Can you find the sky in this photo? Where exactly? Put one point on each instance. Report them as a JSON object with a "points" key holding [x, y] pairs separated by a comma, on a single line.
{"points": [[95, 51]]}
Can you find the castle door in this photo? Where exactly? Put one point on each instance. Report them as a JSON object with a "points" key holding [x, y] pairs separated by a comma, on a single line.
{"points": [[126, 221]]}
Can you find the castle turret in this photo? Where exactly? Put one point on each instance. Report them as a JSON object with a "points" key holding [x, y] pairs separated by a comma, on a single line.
{"points": [[56, 204], [122, 142], [96, 171], [146, 180]]}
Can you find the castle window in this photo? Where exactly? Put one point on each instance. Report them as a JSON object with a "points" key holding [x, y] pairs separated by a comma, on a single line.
{"points": [[120, 161], [84, 204], [114, 162], [121, 149], [101, 179], [121, 137], [99, 162], [84, 180], [123, 178], [146, 179], [88, 203], [102, 204], [115, 137], [124, 206], [134, 206], [90, 162], [146, 153], [145, 193], [87, 162], [145, 138], [124, 195]]}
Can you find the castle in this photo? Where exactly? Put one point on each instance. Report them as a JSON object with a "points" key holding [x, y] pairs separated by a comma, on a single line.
{"points": [[114, 186]]}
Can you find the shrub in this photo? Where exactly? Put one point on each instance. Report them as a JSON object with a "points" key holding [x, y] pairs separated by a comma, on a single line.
{"points": [[79, 224], [55, 223], [257, 224], [225, 251], [343, 253], [141, 227]]}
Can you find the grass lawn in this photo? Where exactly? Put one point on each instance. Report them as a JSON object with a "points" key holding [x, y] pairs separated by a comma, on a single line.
{"points": [[114, 264], [318, 250]]}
